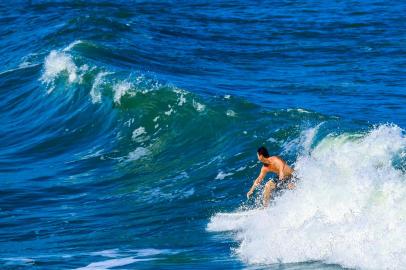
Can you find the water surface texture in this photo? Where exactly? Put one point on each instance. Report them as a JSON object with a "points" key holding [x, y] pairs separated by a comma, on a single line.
{"points": [[129, 132]]}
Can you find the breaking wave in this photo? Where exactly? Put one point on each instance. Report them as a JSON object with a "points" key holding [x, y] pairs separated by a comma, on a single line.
{"points": [[349, 207]]}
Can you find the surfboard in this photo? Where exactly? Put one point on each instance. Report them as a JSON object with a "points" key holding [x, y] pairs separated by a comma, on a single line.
{"points": [[239, 214]]}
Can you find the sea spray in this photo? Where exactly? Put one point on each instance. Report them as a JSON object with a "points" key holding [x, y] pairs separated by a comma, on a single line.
{"points": [[57, 62], [348, 208]]}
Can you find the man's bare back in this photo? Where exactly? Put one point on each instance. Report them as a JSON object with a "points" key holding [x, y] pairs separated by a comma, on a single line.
{"points": [[277, 165]]}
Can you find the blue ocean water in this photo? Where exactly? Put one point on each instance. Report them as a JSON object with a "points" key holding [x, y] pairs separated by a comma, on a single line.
{"points": [[129, 132]]}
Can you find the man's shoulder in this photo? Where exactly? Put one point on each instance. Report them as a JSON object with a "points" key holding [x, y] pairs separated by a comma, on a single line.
{"points": [[264, 168]]}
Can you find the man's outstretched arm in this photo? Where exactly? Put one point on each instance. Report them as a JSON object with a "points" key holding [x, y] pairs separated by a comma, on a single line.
{"points": [[256, 183]]}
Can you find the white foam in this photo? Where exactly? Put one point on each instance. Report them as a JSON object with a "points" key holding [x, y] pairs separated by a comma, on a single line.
{"points": [[303, 143], [181, 100], [170, 111], [230, 113], [138, 153], [22, 66], [151, 252], [27, 61], [241, 168], [139, 135], [110, 253], [181, 96], [20, 260], [221, 175], [198, 106], [222, 222], [110, 263], [71, 45], [147, 252], [307, 138], [138, 132], [120, 89], [56, 63], [129, 122], [349, 207], [188, 193], [98, 81], [298, 110], [92, 154]]}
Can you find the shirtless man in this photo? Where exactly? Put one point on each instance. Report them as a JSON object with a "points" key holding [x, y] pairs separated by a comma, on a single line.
{"points": [[272, 164]]}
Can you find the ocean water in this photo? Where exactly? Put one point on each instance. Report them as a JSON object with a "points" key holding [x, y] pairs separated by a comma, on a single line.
{"points": [[129, 132]]}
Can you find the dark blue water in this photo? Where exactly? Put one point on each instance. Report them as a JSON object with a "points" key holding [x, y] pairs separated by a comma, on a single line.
{"points": [[126, 126]]}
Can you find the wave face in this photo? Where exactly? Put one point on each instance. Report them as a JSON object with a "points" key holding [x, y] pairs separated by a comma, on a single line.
{"points": [[129, 133]]}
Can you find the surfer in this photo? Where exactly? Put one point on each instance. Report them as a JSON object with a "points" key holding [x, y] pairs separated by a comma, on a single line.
{"points": [[272, 164]]}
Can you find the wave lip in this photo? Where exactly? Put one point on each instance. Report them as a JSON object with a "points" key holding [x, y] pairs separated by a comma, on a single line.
{"points": [[57, 62], [348, 209]]}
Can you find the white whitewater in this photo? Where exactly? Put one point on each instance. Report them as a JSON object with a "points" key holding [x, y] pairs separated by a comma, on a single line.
{"points": [[349, 207]]}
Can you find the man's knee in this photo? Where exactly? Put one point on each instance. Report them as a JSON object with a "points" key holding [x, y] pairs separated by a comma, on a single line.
{"points": [[270, 185]]}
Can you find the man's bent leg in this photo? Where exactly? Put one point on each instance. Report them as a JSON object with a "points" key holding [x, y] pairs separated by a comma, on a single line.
{"points": [[269, 186]]}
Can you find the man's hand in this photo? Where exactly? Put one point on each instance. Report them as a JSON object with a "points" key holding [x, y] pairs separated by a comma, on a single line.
{"points": [[257, 182]]}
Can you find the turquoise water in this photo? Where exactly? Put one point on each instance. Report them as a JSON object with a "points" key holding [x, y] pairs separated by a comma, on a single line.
{"points": [[129, 134]]}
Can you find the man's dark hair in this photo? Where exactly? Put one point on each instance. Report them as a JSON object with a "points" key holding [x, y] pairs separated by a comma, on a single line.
{"points": [[262, 151]]}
